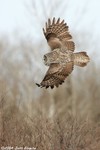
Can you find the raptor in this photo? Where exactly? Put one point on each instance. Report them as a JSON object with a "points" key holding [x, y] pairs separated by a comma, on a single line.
{"points": [[61, 59]]}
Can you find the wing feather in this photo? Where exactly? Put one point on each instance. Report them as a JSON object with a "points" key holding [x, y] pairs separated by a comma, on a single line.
{"points": [[56, 75], [57, 34]]}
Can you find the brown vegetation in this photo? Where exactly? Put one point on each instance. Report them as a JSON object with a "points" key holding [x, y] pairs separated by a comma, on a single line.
{"points": [[59, 119], [45, 133]]}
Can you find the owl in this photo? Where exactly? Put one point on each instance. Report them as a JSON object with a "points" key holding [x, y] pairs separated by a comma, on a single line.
{"points": [[61, 59]]}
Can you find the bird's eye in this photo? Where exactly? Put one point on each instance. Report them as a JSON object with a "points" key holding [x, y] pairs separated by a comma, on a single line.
{"points": [[45, 58]]}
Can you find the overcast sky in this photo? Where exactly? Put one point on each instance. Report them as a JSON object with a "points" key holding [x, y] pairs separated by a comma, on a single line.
{"points": [[82, 16], [14, 15]]}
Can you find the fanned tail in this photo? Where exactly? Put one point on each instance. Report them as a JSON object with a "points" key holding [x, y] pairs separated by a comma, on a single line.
{"points": [[81, 59]]}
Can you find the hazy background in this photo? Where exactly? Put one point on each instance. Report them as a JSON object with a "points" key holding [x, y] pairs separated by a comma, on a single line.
{"points": [[22, 46]]}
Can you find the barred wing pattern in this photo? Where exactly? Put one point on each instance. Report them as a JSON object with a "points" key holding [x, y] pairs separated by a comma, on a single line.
{"points": [[56, 75], [62, 62], [57, 34]]}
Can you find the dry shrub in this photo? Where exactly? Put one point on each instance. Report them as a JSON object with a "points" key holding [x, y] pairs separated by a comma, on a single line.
{"points": [[59, 119], [42, 132]]}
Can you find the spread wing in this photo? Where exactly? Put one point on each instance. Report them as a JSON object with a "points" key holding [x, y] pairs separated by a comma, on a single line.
{"points": [[56, 75], [57, 34]]}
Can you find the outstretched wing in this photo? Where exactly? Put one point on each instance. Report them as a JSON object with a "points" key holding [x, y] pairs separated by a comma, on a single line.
{"points": [[56, 75], [57, 34]]}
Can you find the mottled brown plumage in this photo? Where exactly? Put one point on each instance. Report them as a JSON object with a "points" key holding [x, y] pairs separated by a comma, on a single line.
{"points": [[61, 59]]}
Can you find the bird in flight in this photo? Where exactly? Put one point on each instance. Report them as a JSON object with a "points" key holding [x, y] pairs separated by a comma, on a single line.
{"points": [[61, 59]]}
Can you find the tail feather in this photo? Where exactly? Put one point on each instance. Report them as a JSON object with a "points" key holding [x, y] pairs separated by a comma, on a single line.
{"points": [[81, 59]]}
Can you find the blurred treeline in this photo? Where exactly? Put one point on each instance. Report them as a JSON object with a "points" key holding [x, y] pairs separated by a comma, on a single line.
{"points": [[30, 115], [67, 117]]}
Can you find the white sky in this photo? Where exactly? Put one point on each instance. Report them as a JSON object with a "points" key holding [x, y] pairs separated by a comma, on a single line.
{"points": [[14, 15], [82, 16]]}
